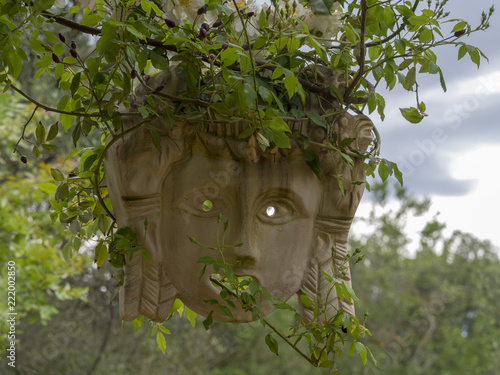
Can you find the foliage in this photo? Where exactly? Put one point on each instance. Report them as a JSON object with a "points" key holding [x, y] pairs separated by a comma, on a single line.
{"points": [[434, 309], [28, 236], [260, 67]]}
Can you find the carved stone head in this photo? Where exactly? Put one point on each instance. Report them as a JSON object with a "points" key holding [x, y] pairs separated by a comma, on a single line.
{"points": [[287, 218]]}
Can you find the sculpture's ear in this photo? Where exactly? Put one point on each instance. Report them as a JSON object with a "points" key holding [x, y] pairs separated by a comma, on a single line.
{"points": [[317, 287], [146, 290]]}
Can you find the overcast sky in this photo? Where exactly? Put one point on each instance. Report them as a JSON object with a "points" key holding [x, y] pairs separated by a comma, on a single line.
{"points": [[453, 156]]}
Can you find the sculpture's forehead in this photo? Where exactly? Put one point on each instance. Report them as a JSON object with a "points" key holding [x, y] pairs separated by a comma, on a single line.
{"points": [[199, 168]]}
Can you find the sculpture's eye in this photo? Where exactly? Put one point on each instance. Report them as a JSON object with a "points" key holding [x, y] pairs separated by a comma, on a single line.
{"points": [[277, 212], [207, 205], [193, 205]]}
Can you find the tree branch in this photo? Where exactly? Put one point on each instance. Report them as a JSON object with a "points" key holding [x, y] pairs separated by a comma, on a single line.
{"points": [[50, 109], [95, 31], [362, 53]]}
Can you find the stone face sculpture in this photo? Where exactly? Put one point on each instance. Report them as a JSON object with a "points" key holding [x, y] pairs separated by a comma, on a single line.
{"points": [[287, 218]]}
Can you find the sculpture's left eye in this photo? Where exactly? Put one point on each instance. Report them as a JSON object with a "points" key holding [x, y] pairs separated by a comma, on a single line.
{"points": [[277, 212]]}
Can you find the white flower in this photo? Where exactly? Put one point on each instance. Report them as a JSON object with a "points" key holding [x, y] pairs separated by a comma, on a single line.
{"points": [[180, 10], [81, 3], [86, 3], [251, 23], [327, 25]]}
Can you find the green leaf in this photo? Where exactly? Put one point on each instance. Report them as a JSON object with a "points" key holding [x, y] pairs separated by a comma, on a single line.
{"points": [[191, 316], [137, 322], [291, 84], [47, 187], [321, 6], [305, 300], [101, 254], [397, 173], [53, 130], [225, 310], [56, 174], [411, 78], [418, 20], [363, 356], [67, 121], [164, 330], [441, 79], [222, 108], [161, 342], [279, 138], [67, 253], [156, 138], [312, 161], [383, 172], [208, 320], [89, 162], [75, 83], [36, 151], [272, 343], [411, 114], [91, 20], [350, 291], [316, 118], [40, 133], [425, 36], [73, 152], [459, 26], [475, 57], [462, 51]]}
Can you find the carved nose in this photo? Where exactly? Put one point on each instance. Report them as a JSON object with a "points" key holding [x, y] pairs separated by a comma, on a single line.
{"points": [[242, 250]]}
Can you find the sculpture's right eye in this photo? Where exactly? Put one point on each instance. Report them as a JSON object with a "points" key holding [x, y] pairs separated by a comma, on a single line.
{"points": [[201, 207]]}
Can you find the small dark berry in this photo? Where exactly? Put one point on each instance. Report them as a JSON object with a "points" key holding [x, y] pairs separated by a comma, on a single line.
{"points": [[217, 24], [250, 14], [72, 174], [203, 33], [73, 53], [61, 38], [459, 33], [133, 73], [55, 58], [344, 329], [73, 44], [133, 104], [212, 57], [205, 26], [202, 10], [159, 88], [224, 46], [170, 23], [24, 159]]}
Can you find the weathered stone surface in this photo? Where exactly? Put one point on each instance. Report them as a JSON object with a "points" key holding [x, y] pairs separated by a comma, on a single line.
{"points": [[287, 219]]}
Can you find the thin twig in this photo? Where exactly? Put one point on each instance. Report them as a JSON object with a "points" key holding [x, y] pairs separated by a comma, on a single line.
{"points": [[51, 109], [95, 31], [24, 129]]}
